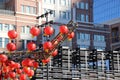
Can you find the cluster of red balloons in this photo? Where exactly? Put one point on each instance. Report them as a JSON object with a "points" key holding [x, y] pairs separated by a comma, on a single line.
{"points": [[11, 68], [15, 71], [12, 34]]}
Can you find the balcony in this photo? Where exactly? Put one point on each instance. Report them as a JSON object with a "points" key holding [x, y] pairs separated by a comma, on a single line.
{"points": [[6, 12]]}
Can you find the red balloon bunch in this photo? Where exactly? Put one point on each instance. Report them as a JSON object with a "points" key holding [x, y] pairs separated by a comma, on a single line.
{"points": [[11, 69], [12, 34]]}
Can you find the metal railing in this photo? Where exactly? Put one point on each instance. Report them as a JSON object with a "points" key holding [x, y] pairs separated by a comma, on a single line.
{"points": [[84, 69]]}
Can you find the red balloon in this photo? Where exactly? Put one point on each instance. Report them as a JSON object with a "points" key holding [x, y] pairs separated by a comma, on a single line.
{"points": [[3, 58], [35, 31], [55, 53], [12, 34], [46, 60], [48, 30], [17, 65], [63, 29], [71, 35], [5, 69], [6, 76], [11, 47], [30, 73], [18, 71], [47, 45], [27, 62], [12, 75], [26, 70], [23, 77], [35, 64], [31, 46]]}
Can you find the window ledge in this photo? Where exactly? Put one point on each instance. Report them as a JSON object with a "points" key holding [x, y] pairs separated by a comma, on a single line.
{"points": [[27, 14]]}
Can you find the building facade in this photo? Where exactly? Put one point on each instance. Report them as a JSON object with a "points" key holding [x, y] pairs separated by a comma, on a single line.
{"points": [[105, 10], [21, 15], [18, 15], [114, 36], [92, 36]]}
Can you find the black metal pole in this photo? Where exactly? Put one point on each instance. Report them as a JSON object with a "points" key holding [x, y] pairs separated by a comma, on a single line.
{"points": [[47, 63]]}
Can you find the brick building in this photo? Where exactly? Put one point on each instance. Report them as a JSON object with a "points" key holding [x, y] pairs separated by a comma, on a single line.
{"points": [[21, 15]]}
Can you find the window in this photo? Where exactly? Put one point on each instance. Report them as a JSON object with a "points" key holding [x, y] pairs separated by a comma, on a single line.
{"points": [[115, 34], [99, 38], [82, 17], [33, 10], [82, 5], [6, 42], [99, 47], [87, 19], [23, 44], [47, 10], [86, 6], [84, 46], [53, 13], [63, 14], [27, 9], [0, 42], [68, 15], [0, 27], [50, 1], [6, 27], [27, 29], [12, 27], [83, 36], [63, 2], [23, 29], [23, 8], [78, 17]]}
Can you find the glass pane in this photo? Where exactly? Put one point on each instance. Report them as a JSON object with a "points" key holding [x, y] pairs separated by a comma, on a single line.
{"points": [[0, 27], [0, 42], [82, 17], [82, 5], [62, 14], [27, 9], [6, 27], [6, 42], [23, 8], [87, 18], [23, 29], [34, 10], [28, 30], [86, 6], [63, 2]]}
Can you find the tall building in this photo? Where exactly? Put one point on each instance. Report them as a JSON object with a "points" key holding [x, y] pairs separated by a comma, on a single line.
{"points": [[105, 10]]}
